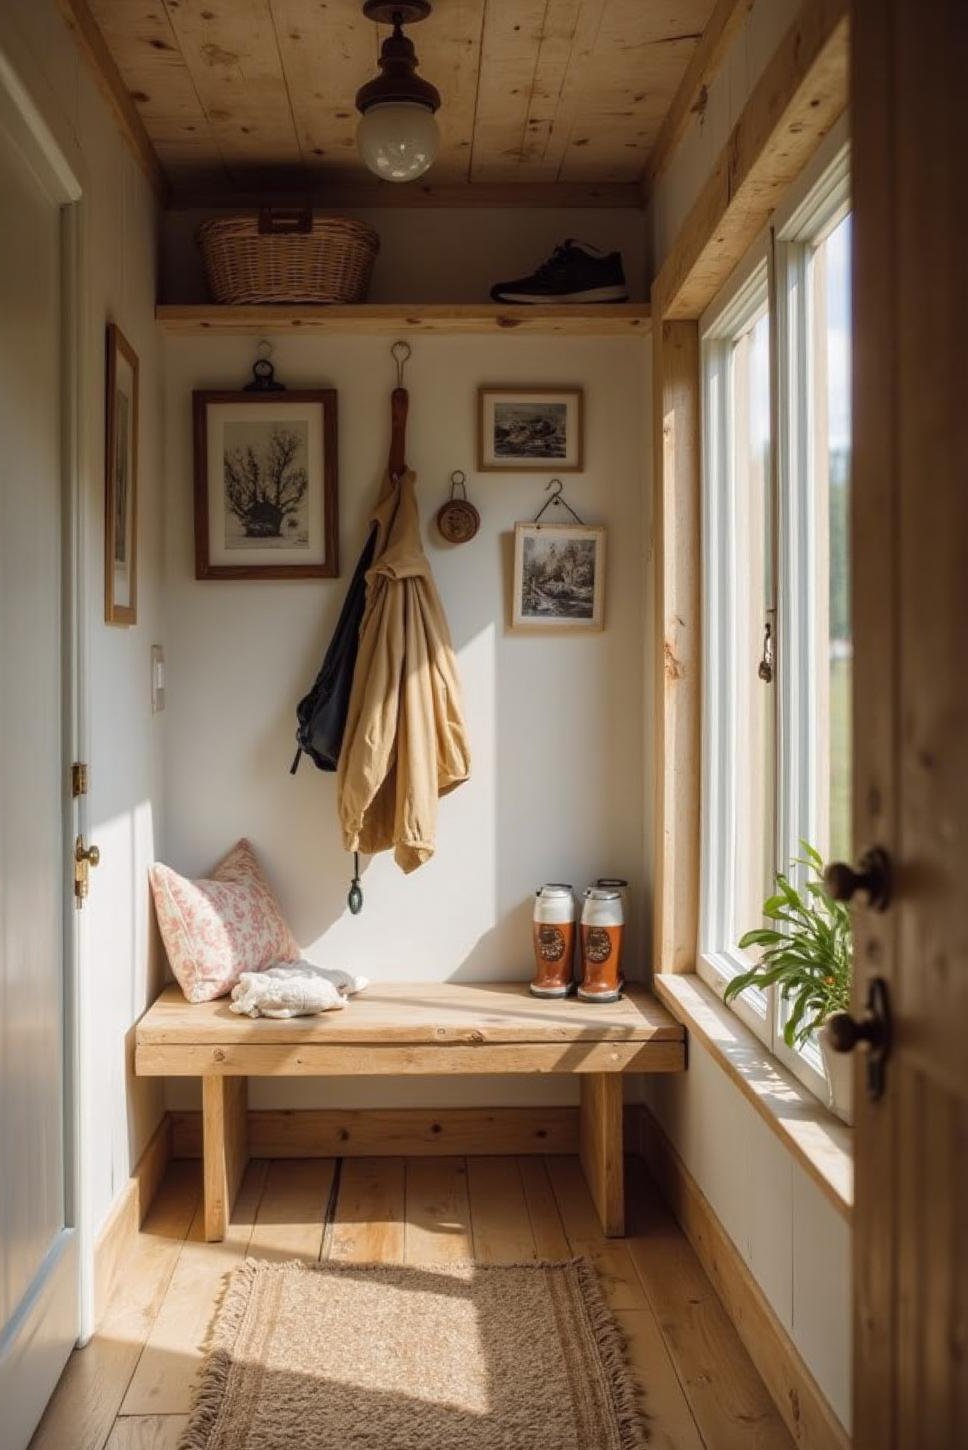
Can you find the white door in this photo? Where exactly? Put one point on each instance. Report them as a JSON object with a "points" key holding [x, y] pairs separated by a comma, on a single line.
{"points": [[38, 1249]]}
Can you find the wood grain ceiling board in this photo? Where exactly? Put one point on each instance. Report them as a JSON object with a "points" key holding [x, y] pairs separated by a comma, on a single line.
{"points": [[232, 54], [144, 48], [260, 92], [570, 32], [325, 50], [510, 44], [640, 54]]}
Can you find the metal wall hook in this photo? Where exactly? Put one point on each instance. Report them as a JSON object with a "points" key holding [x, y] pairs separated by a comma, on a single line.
{"points": [[400, 352], [458, 480], [263, 373], [557, 497]]}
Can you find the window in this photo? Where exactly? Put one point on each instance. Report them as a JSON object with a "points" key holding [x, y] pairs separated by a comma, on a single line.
{"points": [[776, 583]]}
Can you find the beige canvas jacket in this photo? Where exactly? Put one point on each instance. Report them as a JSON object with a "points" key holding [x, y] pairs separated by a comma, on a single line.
{"points": [[405, 742]]}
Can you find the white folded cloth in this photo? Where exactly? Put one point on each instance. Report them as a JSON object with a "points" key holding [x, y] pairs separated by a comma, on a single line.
{"points": [[294, 989]]}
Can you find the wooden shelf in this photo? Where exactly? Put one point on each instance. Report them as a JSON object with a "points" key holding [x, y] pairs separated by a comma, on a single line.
{"points": [[623, 319]]}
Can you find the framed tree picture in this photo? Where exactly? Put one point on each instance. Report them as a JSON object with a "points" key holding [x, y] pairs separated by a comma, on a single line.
{"points": [[121, 481], [266, 492], [559, 577]]}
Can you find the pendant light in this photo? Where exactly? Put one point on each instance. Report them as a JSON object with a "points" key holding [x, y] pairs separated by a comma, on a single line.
{"points": [[397, 134]]}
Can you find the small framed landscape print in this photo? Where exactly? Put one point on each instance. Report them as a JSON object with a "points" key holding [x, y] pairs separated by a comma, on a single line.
{"points": [[266, 494], [559, 577], [121, 481], [530, 428]]}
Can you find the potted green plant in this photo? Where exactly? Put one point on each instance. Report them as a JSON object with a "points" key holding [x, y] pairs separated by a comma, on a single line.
{"points": [[808, 956]]}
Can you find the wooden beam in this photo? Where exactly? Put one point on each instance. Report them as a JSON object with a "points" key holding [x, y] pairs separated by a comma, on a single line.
{"points": [[690, 99], [622, 319], [378, 1132], [277, 1060], [91, 44], [328, 192], [675, 530], [796, 101], [793, 1389], [602, 1149], [224, 1130]]}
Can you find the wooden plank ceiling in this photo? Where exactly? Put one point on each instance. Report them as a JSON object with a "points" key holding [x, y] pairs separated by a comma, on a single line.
{"points": [[245, 94]]}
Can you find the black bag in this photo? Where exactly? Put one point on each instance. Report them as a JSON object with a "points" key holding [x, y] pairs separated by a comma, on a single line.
{"points": [[322, 713]]}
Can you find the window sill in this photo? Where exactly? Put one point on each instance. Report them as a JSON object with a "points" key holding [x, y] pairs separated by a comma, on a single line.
{"points": [[821, 1143]]}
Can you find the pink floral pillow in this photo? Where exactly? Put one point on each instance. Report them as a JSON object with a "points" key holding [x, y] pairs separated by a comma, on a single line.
{"points": [[214, 930]]}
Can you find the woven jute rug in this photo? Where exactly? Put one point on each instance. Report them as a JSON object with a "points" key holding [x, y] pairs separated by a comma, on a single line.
{"points": [[375, 1357]]}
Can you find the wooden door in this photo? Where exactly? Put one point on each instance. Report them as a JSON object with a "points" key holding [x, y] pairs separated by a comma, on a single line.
{"points": [[38, 1249], [910, 187]]}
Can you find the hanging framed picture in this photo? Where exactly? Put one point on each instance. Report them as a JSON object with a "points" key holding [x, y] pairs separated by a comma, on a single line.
{"points": [[266, 489], [121, 481], [530, 428], [559, 577]]}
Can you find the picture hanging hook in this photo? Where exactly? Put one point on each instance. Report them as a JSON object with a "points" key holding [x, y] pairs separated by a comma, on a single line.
{"points": [[458, 480], [557, 497], [263, 373], [400, 352]]}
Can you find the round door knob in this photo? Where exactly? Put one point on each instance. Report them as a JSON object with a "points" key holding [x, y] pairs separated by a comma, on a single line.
{"points": [[844, 1031], [90, 854], [873, 876]]}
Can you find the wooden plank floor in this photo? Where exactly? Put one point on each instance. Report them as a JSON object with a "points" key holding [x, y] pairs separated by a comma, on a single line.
{"points": [[130, 1388]]}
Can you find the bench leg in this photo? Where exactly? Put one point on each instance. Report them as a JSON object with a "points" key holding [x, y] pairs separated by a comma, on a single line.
{"points": [[601, 1147], [225, 1148]]}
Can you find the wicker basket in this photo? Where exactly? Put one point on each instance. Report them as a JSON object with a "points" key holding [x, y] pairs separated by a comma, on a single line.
{"points": [[288, 256]]}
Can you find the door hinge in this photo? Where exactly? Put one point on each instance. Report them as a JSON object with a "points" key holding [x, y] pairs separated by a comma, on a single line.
{"points": [[78, 779]]}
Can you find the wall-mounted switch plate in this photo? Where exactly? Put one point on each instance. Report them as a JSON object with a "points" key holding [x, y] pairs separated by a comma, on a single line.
{"points": [[157, 678]]}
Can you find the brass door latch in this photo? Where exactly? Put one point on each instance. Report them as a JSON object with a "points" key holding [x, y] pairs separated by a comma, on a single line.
{"points": [[84, 858]]}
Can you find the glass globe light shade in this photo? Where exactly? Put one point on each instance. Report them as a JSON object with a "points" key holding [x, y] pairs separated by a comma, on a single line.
{"points": [[398, 140]]}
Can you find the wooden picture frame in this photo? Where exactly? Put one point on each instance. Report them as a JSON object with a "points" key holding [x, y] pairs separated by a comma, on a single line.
{"points": [[120, 480], [559, 578], [266, 484], [526, 430]]}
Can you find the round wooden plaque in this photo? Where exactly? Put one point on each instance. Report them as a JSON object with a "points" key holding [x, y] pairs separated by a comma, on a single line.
{"points": [[458, 520]]}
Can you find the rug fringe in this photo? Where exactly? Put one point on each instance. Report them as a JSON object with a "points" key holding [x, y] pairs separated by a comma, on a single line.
{"points": [[612, 1345], [209, 1391]]}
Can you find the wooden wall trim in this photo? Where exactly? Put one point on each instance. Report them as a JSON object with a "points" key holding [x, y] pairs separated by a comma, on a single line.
{"points": [[90, 42], [796, 101], [690, 98], [128, 1213], [382, 1132], [675, 530], [623, 195], [793, 1389]]}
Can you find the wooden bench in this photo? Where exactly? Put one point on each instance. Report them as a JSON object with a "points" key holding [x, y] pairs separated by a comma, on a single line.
{"points": [[440, 1029]]}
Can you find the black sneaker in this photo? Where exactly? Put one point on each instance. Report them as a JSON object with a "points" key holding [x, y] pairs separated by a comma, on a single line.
{"points": [[575, 272]]}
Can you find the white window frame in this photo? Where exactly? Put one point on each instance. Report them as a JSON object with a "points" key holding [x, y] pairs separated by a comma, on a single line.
{"points": [[737, 305], [782, 257]]}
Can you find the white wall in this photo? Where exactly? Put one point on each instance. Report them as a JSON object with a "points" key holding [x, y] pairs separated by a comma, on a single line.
{"points": [[436, 254], [123, 741], [795, 1242], [556, 725]]}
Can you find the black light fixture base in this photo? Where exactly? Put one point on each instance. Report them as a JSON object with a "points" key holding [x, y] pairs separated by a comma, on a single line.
{"points": [[398, 82], [389, 12]]}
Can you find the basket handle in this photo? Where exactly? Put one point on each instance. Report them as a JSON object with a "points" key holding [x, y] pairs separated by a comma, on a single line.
{"points": [[284, 221]]}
